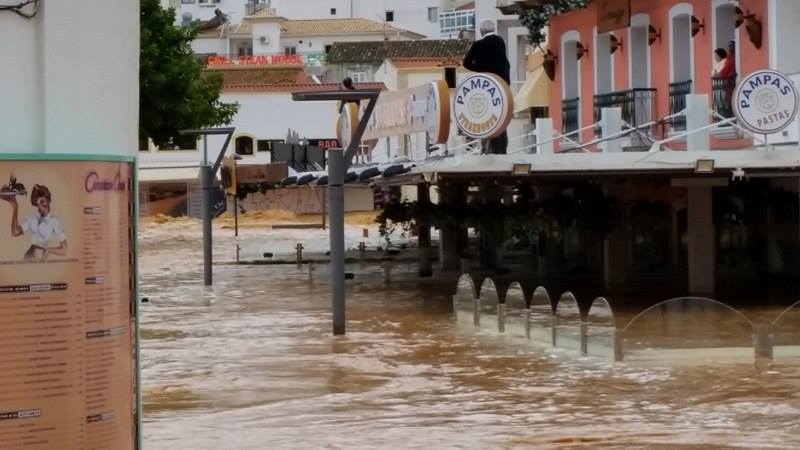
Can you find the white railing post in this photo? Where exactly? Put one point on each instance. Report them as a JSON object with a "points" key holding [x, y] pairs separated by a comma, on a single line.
{"points": [[544, 137], [611, 124], [697, 121]]}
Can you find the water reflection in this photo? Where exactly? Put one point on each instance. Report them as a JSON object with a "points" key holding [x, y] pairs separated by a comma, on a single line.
{"points": [[541, 317], [488, 306], [601, 330], [516, 312], [464, 301], [786, 335], [689, 329], [568, 323]]}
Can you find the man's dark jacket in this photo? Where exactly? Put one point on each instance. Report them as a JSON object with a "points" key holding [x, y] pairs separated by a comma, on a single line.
{"points": [[489, 55]]}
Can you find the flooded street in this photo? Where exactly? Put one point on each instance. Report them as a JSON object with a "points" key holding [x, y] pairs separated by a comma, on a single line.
{"points": [[251, 364]]}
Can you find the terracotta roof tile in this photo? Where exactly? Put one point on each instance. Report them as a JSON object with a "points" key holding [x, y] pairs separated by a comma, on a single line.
{"points": [[341, 26], [428, 62], [375, 52], [297, 87]]}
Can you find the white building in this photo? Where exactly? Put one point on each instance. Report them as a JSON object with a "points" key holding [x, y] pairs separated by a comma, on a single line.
{"points": [[57, 95], [419, 16]]}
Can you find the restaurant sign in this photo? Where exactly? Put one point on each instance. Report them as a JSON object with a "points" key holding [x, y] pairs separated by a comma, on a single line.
{"points": [[766, 102], [253, 60], [422, 109]]}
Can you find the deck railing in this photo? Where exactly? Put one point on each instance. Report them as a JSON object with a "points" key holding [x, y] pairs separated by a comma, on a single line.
{"points": [[677, 102], [569, 112]]}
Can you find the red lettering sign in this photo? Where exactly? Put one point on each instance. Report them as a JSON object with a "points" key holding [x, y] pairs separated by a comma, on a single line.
{"points": [[253, 60]]}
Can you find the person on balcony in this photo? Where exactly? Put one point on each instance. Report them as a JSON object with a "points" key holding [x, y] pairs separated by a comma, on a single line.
{"points": [[488, 55], [729, 68], [727, 76], [720, 60]]}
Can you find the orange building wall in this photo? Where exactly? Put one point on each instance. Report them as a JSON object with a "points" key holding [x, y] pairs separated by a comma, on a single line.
{"points": [[584, 22]]}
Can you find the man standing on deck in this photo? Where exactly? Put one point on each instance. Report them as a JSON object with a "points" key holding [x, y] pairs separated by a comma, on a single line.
{"points": [[488, 55]]}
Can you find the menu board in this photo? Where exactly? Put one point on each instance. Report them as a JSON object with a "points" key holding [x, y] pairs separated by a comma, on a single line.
{"points": [[67, 330]]}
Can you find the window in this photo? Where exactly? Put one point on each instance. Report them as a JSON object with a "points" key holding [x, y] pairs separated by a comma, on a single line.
{"points": [[358, 77], [290, 51], [180, 143], [208, 2], [328, 48], [451, 23], [433, 14], [244, 145], [244, 49], [268, 145], [333, 11], [390, 16], [450, 77], [188, 2]]}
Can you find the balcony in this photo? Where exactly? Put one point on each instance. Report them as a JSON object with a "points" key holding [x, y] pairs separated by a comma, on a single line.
{"points": [[721, 95], [570, 115], [677, 103], [638, 105], [254, 6]]}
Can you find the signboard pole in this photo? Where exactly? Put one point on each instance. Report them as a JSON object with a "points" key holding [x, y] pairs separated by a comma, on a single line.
{"points": [[336, 170], [208, 172], [206, 183]]}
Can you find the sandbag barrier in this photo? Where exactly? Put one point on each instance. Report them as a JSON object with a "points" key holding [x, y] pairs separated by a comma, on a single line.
{"points": [[689, 329]]}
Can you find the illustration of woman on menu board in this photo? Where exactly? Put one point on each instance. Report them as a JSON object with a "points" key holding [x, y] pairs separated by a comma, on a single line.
{"points": [[44, 229]]}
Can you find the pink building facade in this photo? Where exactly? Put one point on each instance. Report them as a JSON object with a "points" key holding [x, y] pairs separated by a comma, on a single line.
{"points": [[649, 67]]}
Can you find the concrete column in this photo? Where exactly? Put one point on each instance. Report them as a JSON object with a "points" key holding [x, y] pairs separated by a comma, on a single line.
{"points": [[491, 228], [701, 240], [544, 133], [615, 247], [697, 116], [424, 232], [450, 239], [611, 124]]}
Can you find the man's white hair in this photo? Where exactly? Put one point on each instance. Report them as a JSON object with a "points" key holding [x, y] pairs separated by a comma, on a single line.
{"points": [[487, 26]]}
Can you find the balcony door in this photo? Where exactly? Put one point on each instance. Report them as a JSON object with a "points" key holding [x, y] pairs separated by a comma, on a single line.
{"points": [[639, 64], [571, 81]]}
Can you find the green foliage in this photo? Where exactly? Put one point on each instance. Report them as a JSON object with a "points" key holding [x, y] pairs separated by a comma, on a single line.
{"points": [[537, 18], [174, 93]]}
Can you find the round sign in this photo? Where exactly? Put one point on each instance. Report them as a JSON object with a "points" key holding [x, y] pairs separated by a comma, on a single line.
{"points": [[483, 106], [347, 123], [766, 102]]}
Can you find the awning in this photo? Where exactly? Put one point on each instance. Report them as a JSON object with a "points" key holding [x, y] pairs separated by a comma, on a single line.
{"points": [[534, 92], [168, 174]]}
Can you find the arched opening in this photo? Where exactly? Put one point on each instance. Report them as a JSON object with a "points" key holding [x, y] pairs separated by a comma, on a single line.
{"points": [[681, 61], [724, 73], [244, 145], [571, 84]]}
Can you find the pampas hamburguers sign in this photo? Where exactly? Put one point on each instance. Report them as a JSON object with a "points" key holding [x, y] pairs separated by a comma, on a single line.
{"points": [[483, 106]]}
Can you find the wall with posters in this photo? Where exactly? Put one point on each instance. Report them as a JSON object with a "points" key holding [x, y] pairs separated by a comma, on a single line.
{"points": [[67, 365]]}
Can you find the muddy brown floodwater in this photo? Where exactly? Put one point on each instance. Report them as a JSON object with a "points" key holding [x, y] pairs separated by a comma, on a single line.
{"points": [[251, 364]]}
